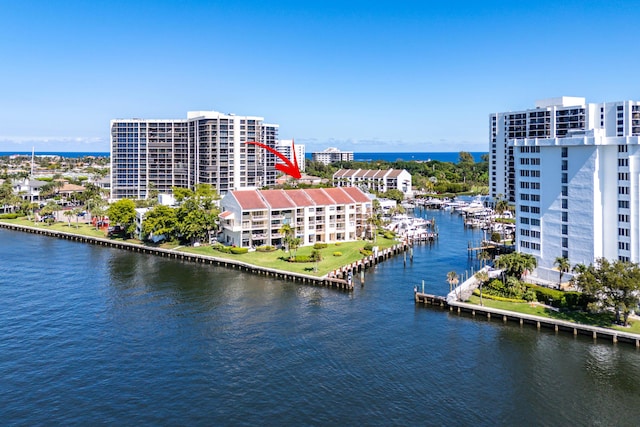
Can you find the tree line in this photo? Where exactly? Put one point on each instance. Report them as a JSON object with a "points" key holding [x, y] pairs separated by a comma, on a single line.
{"points": [[431, 176]]}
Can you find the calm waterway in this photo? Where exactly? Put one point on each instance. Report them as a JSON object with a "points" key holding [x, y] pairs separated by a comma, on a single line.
{"points": [[91, 335]]}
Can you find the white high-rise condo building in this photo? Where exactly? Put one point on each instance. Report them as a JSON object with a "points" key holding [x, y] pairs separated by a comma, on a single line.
{"points": [[205, 148], [332, 155], [573, 171], [284, 147]]}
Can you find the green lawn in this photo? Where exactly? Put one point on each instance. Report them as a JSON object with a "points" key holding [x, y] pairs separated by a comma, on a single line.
{"points": [[604, 320], [79, 228], [276, 259]]}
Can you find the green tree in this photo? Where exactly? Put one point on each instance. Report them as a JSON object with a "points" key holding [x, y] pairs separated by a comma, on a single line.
{"points": [[613, 286], [160, 221], [563, 267], [516, 263], [68, 213], [452, 278], [482, 277], [123, 212], [287, 234]]}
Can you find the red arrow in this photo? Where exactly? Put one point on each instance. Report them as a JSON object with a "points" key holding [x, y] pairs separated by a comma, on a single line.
{"points": [[288, 168]]}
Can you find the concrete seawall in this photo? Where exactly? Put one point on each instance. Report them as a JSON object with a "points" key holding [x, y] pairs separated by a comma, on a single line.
{"points": [[596, 332], [337, 281]]}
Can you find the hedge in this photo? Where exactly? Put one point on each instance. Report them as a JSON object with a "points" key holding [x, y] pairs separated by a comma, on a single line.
{"points": [[497, 298], [301, 258], [265, 248], [561, 299], [237, 251], [337, 253], [9, 216], [320, 245]]}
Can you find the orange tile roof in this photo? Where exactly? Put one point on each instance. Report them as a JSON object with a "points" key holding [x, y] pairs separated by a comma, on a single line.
{"points": [[277, 199], [249, 199], [300, 198], [319, 196], [339, 195], [356, 194]]}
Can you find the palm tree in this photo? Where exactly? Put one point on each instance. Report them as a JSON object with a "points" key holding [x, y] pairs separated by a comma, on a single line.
{"points": [[482, 277], [287, 233], [484, 256], [563, 266], [452, 278], [69, 214]]}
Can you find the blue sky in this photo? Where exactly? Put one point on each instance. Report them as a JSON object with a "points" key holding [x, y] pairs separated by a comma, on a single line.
{"points": [[357, 75]]}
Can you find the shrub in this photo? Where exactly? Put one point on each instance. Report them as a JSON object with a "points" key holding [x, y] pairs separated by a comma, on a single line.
{"points": [[320, 245], [337, 243], [368, 247], [366, 252], [222, 248], [337, 254], [9, 216], [548, 296], [316, 255], [237, 251], [300, 258], [265, 248], [389, 235], [496, 298]]}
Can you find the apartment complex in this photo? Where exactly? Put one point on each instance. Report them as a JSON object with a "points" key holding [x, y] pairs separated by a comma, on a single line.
{"points": [[284, 146], [374, 180], [573, 170], [253, 218], [332, 155], [207, 147]]}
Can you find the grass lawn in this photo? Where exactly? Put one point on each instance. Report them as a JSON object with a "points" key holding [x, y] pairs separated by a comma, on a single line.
{"points": [[604, 320], [277, 259], [79, 228]]}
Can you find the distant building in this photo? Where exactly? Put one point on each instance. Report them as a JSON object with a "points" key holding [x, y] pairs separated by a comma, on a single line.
{"points": [[332, 155], [253, 218], [379, 181], [207, 147], [284, 147]]}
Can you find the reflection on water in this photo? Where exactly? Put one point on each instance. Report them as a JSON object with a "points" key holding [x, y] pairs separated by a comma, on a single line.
{"points": [[128, 338]]}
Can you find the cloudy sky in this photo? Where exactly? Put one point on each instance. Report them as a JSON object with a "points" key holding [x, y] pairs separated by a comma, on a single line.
{"points": [[358, 75]]}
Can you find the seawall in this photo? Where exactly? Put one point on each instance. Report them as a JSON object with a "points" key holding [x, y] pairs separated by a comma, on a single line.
{"points": [[335, 280]]}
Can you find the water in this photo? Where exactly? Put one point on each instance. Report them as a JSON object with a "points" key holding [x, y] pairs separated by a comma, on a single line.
{"points": [[97, 335], [360, 157]]}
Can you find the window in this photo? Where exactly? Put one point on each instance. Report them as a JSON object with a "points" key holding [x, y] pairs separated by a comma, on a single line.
{"points": [[565, 165], [565, 204], [565, 190], [565, 216], [565, 178], [524, 208], [535, 209], [535, 221], [565, 242], [565, 229], [565, 152], [524, 220]]}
